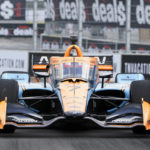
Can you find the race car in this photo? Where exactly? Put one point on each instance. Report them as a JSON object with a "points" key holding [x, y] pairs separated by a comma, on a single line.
{"points": [[74, 94]]}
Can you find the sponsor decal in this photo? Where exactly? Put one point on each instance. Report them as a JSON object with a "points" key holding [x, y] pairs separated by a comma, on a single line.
{"points": [[23, 120], [126, 120]]}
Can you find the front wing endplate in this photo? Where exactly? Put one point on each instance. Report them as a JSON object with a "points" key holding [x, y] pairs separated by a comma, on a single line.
{"points": [[3, 105]]}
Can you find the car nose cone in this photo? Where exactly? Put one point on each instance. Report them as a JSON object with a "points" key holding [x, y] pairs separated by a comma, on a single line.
{"points": [[74, 114]]}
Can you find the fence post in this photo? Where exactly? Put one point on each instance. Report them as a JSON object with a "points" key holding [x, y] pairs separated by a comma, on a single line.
{"points": [[80, 23], [35, 25], [128, 25]]}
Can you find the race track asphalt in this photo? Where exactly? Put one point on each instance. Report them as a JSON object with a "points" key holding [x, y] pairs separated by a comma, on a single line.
{"points": [[50, 139]]}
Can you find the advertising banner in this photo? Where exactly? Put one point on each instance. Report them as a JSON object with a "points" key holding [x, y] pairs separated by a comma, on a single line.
{"points": [[19, 30], [12, 9], [13, 61], [136, 64], [103, 12], [140, 13], [93, 11]]}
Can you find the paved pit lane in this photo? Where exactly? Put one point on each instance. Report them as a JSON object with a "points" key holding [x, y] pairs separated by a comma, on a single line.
{"points": [[49, 139]]}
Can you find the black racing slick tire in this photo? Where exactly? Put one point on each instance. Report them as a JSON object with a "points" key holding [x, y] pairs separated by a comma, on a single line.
{"points": [[138, 90], [139, 130], [9, 89], [8, 129]]}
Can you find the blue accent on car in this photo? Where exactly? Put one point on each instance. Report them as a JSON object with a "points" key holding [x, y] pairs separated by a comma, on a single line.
{"points": [[20, 77], [128, 78]]}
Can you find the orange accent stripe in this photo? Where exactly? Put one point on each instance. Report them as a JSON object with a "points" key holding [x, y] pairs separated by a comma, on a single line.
{"points": [[3, 107], [105, 68], [40, 67], [126, 125], [146, 114], [23, 124]]}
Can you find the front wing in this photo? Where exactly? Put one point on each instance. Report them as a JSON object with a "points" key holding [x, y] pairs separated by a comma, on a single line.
{"points": [[129, 116]]}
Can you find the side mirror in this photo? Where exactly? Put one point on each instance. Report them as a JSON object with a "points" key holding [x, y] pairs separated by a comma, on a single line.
{"points": [[105, 76], [105, 71], [41, 71]]}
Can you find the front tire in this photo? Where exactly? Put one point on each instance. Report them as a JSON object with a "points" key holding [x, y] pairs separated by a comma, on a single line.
{"points": [[8, 129], [9, 89], [139, 130]]}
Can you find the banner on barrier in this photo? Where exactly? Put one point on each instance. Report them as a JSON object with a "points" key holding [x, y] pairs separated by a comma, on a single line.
{"points": [[40, 58], [13, 61], [19, 30], [136, 64]]}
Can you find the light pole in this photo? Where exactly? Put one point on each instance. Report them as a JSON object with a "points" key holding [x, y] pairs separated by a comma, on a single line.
{"points": [[35, 4], [128, 25], [80, 25]]}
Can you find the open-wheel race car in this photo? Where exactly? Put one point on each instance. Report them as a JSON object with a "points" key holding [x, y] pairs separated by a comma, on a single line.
{"points": [[74, 94]]}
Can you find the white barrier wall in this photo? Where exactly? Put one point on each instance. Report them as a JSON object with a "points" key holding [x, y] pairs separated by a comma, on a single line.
{"points": [[122, 63], [13, 61]]}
